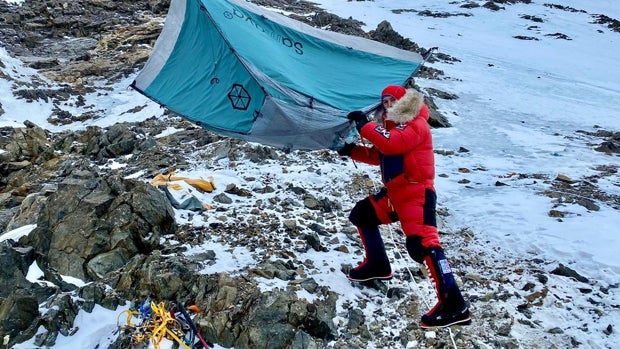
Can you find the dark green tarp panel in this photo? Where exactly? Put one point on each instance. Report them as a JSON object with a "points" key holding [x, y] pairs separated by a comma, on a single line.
{"points": [[254, 74]]}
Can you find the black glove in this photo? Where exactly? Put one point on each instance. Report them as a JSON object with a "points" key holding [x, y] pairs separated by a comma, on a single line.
{"points": [[346, 150], [359, 117]]}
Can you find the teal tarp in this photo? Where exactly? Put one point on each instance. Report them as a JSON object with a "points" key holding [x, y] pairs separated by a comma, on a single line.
{"points": [[254, 74]]}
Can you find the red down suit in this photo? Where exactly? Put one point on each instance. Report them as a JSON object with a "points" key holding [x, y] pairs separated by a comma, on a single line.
{"points": [[403, 148]]}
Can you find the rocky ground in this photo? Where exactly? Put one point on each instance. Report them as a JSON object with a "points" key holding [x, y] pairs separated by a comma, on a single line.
{"points": [[80, 44]]}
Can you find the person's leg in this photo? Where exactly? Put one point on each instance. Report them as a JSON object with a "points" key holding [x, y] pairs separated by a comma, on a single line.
{"points": [[367, 215], [451, 308], [418, 221]]}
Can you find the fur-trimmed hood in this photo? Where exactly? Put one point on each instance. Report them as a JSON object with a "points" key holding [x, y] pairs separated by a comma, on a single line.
{"points": [[406, 108]]}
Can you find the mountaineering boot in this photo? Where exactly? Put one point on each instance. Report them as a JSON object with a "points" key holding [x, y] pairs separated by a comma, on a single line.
{"points": [[376, 264], [451, 308]]}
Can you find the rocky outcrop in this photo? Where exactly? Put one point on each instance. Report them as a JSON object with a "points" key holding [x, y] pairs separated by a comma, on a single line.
{"points": [[92, 226], [77, 40]]}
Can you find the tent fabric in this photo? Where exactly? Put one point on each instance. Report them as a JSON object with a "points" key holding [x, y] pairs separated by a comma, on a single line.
{"points": [[251, 73], [191, 203], [182, 198]]}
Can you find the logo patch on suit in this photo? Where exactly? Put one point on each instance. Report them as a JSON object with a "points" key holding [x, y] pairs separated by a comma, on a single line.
{"points": [[385, 133], [401, 126]]}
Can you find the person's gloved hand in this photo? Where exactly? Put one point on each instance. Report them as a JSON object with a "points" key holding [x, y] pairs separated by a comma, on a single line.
{"points": [[346, 150], [359, 117]]}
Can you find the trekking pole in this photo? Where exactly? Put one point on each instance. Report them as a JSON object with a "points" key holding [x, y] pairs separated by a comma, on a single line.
{"points": [[425, 57]]}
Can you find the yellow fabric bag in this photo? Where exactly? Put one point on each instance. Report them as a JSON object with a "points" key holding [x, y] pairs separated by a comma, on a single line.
{"points": [[204, 185]]}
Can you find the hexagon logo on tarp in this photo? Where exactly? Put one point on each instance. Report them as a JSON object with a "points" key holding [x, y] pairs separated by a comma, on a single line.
{"points": [[239, 97]]}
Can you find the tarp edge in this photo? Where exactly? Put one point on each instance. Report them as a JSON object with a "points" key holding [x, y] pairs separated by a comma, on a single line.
{"points": [[354, 42], [164, 45]]}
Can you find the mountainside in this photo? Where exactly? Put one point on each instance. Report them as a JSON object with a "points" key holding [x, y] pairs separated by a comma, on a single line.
{"points": [[264, 252]]}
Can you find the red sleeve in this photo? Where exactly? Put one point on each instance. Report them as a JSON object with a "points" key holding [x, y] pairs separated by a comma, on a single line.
{"points": [[398, 140], [365, 154]]}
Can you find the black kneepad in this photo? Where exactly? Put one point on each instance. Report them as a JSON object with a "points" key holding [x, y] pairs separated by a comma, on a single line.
{"points": [[415, 248], [363, 214]]}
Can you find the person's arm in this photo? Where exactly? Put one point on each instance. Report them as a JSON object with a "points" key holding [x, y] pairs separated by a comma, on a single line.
{"points": [[360, 153], [367, 155], [398, 140]]}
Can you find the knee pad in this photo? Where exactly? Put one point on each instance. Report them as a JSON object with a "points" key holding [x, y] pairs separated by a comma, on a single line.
{"points": [[363, 214], [415, 248]]}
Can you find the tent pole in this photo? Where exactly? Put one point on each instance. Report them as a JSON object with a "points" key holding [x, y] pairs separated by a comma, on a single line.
{"points": [[426, 56]]}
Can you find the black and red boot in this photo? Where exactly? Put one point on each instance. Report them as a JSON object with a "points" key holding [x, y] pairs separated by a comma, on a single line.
{"points": [[451, 308], [376, 264]]}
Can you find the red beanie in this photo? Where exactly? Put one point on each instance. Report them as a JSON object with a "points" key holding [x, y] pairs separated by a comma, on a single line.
{"points": [[393, 91]]}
